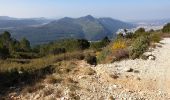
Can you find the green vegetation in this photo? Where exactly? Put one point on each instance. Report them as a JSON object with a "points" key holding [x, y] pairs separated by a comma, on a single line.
{"points": [[21, 63], [100, 44], [91, 59], [130, 45], [166, 28], [138, 47]]}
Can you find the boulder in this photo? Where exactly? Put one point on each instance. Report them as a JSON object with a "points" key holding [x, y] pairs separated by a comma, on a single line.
{"points": [[148, 55]]}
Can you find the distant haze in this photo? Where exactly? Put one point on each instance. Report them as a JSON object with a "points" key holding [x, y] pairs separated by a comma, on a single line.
{"points": [[119, 9]]}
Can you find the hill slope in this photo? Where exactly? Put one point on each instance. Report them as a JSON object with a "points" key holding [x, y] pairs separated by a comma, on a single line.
{"points": [[86, 27]]}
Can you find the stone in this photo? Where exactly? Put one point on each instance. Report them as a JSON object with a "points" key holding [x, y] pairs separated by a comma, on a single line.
{"points": [[151, 57], [147, 54], [37, 96], [115, 86], [136, 71], [111, 98], [129, 70]]}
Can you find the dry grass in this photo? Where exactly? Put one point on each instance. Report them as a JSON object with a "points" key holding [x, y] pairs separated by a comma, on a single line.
{"points": [[52, 79], [6, 65], [47, 92], [59, 93], [165, 35], [89, 71], [119, 44], [31, 89]]}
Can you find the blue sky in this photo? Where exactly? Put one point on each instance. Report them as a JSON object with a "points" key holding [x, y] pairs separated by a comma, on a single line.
{"points": [[119, 9]]}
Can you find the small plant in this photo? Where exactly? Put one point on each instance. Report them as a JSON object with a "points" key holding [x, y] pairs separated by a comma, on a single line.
{"points": [[155, 37], [138, 47], [58, 94], [47, 92], [91, 59], [166, 28], [31, 89], [53, 80], [120, 54], [119, 44], [103, 55], [89, 71]]}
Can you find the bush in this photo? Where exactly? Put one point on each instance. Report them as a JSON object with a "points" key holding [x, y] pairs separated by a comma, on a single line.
{"points": [[105, 56], [119, 44], [140, 30], [91, 59], [155, 37], [166, 28], [4, 53], [120, 54], [83, 44], [138, 47], [100, 44], [56, 51], [129, 35]]}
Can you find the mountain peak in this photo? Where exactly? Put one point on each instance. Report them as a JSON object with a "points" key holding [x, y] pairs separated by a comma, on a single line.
{"points": [[89, 17]]}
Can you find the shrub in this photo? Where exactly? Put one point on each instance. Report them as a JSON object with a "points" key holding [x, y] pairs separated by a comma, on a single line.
{"points": [[91, 59], [138, 47], [129, 35], [4, 53], [119, 44], [31, 89], [166, 28], [113, 52], [155, 37], [83, 44], [25, 45], [95, 45], [56, 51], [106, 53], [89, 71], [140, 30], [120, 54], [100, 44], [52, 80]]}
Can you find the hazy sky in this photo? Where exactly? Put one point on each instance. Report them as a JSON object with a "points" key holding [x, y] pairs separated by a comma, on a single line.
{"points": [[119, 9]]}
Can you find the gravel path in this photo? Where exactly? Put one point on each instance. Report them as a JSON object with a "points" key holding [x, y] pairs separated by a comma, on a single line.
{"points": [[154, 74]]}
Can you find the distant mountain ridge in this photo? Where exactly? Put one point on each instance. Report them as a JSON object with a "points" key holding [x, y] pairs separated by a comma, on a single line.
{"points": [[87, 27], [10, 22], [7, 18]]}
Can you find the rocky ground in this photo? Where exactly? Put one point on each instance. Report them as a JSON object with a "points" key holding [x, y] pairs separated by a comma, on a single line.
{"points": [[125, 80]]}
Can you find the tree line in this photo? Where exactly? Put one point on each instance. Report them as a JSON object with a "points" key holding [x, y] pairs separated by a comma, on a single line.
{"points": [[12, 48]]}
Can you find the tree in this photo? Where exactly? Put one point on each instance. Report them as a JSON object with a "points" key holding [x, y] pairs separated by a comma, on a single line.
{"points": [[6, 35], [25, 45], [4, 52], [100, 44], [83, 44], [105, 41], [5, 38], [140, 30]]}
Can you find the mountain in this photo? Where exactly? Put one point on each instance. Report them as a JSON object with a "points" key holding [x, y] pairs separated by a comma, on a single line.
{"points": [[156, 22], [7, 18], [86, 27], [9, 22]]}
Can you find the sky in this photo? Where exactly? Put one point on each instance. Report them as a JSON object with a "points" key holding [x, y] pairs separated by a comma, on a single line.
{"points": [[118, 9]]}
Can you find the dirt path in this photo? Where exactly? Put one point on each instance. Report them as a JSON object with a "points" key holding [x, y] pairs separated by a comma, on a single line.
{"points": [[163, 63], [154, 75]]}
